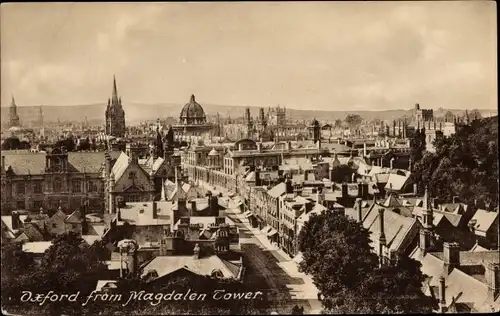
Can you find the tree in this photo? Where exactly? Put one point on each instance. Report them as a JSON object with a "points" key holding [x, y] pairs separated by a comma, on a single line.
{"points": [[12, 143], [475, 114], [68, 143], [417, 145], [341, 173], [337, 254], [464, 164], [69, 265], [353, 120], [338, 123], [296, 310]]}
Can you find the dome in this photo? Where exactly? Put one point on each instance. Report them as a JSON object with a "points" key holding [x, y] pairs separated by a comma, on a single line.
{"points": [[213, 152], [193, 113]]}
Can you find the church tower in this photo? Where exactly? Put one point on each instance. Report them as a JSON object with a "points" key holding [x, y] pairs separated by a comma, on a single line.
{"points": [[115, 115], [13, 117]]}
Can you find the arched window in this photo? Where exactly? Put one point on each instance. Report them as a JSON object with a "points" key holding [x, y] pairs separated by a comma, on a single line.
{"points": [[57, 185]]}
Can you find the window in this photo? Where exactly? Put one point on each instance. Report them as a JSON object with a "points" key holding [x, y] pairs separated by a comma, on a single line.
{"points": [[20, 188], [37, 204], [37, 187], [21, 205], [54, 225], [57, 185], [92, 186], [132, 175], [76, 186]]}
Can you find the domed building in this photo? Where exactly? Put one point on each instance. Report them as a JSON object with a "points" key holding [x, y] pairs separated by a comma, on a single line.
{"points": [[192, 122]]}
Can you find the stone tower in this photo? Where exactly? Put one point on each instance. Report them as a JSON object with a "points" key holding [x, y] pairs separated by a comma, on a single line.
{"points": [[13, 117], [115, 115]]}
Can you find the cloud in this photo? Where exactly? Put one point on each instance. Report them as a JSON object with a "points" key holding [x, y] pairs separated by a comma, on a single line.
{"points": [[381, 55]]}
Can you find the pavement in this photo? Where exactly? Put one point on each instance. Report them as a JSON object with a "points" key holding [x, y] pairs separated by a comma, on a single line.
{"points": [[299, 285]]}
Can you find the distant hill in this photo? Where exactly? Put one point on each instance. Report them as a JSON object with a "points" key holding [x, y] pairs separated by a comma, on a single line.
{"points": [[137, 112]]}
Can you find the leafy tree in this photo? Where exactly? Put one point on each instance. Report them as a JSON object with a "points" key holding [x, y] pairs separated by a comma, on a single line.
{"points": [[338, 123], [69, 265], [337, 254], [296, 310], [353, 120], [464, 164], [475, 115], [68, 143], [341, 173], [12, 143]]}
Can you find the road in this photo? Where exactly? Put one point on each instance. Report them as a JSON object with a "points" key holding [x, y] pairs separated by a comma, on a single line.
{"points": [[264, 273]]}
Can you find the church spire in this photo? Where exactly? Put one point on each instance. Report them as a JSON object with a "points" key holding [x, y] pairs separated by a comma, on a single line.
{"points": [[13, 102], [114, 97]]}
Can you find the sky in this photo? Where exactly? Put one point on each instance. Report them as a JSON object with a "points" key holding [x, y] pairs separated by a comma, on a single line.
{"points": [[302, 55]]}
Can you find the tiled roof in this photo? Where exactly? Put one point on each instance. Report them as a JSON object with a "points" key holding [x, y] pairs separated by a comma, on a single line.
{"points": [[396, 182], [32, 163], [164, 265], [203, 221], [277, 190], [90, 162], [120, 166], [468, 258], [392, 201], [396, 227], [141, 213], [484, 220], [36, 246]]}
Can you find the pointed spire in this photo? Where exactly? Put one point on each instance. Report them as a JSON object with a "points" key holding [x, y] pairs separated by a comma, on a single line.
{"points": [[426, 198], [192, 100], [114, 96], [13, 102]]}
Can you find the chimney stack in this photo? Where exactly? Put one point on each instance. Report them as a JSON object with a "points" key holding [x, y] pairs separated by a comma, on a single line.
{"points": [[214, 205], [428, 218], [435, 203], [259, 146], [391, 163], [365, 191], [359, 208], [360, 190], [442, 295], [16, 222], [451, 254], [289, 187], [344, 190], [258, 182], [155, 210], [456, 199], [364, 149], [193, 208], [381, 239], [425, 240], [492, 276]]}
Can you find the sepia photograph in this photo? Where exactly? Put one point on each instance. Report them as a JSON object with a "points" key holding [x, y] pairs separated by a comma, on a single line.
{"points": [[249, 158]]}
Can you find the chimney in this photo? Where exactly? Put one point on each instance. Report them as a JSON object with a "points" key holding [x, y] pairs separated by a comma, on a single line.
{"points": [[435, 203], [381, 239], [365, 191], [258, 183], [442, 295], [16, 222], [214, 205], [451, 254], [259, 146], [240, 147], [155, 210], [289, 187], [344, 190], [364, 149], [425, 240], [360, 190], [492, 276], [359, 208], [193, 208], [289, 146], [196, 251], [220, 220], [472, 226], [428, 218], [391, 163], [456, 199], [415, 188]]}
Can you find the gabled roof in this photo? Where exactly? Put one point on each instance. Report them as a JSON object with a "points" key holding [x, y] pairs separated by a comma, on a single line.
{"points": [[484, 221], [278, 190], [165, 265], [396, 182], [141, 213], [120, 166], [392, 201], [36, 246], [396, 227]]}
